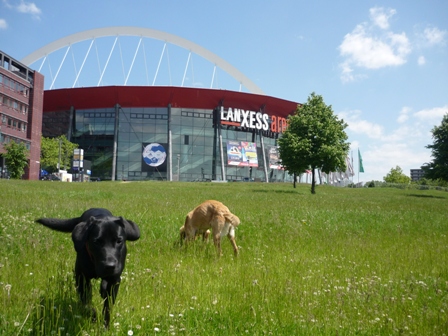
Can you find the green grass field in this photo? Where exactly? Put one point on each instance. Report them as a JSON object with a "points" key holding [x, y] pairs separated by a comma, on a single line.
{"points": [[370, 261]]}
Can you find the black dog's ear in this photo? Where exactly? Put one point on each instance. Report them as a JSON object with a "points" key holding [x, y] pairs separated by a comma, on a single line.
{"points": [[80, 234], [131, 229]]}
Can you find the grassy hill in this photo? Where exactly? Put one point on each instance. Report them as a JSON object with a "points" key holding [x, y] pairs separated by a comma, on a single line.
{"points": [[345, 261]]}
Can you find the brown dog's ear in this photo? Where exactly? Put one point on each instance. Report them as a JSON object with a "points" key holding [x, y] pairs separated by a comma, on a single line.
{"points": [[132, 230]]}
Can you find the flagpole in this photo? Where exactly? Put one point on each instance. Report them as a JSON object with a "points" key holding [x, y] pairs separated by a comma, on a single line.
{"points": [[351, 157], [358, 165]]}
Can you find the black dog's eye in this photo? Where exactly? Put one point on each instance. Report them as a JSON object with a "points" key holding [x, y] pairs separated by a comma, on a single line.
{"points": [[119, 240]]}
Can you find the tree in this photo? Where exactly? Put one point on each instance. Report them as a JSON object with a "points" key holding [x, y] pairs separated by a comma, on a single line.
{"points": [[49, 152], [438, 168], [315, 138], [396, 175], [16, 159]]}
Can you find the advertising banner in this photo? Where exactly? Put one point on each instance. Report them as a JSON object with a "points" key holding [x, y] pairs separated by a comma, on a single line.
{"points": [[242, 153], [154, 157], [274, 158]]}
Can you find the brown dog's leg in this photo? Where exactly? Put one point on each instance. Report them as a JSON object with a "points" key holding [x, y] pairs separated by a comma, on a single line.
{"points": [[205, 235], [232, 241], [217, 242], [217, 224]]}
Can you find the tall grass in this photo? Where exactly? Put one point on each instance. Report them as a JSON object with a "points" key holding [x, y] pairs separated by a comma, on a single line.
{"points": [[341, 262]]}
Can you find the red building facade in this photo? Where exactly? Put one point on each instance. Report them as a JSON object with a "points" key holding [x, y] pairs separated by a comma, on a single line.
{"points": [[21, 106]]}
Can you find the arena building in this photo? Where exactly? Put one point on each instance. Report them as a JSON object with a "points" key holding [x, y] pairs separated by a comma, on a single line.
{"points": [[171, 133], [159, 131]]}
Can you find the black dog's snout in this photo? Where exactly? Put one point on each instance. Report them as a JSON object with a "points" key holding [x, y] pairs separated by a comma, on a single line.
{"points": [[110, 264]]}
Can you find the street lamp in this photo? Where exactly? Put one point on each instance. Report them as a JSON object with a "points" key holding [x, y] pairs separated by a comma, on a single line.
{"points": [[59, 159], [178, 167]]}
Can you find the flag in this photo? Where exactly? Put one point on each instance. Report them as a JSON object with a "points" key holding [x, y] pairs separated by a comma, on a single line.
{"points": [[361, 168], [349, 171]]}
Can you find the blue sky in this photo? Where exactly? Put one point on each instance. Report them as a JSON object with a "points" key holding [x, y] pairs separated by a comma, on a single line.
{"points": [[382, 65]]}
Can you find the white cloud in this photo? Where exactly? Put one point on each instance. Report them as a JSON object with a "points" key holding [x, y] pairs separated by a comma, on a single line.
{"points": [[367, 51], [404, 115], [359, 126], [379, 159], [403, 146], [29, 8], [367, 128], [348, 75], [377, 132], [7, 4], [366, 48], [25, 7], [421, 60], [405, 133], [432, 115], [434, 35], [381, 16], [3, 24]]}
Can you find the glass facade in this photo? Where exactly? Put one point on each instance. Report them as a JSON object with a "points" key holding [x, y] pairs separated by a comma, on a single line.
{"points": [[93, 130], [193, 144], [138, 127]]}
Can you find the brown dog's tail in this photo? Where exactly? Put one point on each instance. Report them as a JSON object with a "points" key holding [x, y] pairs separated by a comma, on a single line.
{"points": [[63, 225], [232, 219]]}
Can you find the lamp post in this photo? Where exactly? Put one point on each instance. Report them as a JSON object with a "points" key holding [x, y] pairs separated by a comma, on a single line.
{"points": [[59, 159], [178, 167]]}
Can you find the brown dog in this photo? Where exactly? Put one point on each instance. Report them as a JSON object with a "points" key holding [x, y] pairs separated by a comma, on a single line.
{"points": [[211, 215]]}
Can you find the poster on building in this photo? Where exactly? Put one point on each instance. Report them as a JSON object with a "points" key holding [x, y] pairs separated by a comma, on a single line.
{"points": [[242, 153], [274, 158], [154, 157]]}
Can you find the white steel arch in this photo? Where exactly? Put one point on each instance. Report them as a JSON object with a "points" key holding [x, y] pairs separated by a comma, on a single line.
{"points": [[148, 33]]}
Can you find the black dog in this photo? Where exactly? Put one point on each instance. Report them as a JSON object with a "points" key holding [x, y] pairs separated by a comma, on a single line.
{"points": [[100, 244]]}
